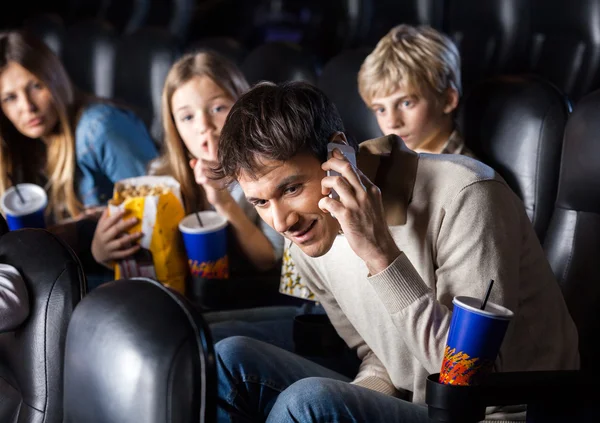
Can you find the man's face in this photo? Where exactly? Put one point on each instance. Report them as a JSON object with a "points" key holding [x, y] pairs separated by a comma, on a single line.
{"points": [[286, 196], [415, 118]]}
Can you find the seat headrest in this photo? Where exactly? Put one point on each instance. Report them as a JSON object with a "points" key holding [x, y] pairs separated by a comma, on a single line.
{"points": [[580, 174], [339, 81], [31, 361], [225, 46], [515, 125], [136, 351], [279, 62]]}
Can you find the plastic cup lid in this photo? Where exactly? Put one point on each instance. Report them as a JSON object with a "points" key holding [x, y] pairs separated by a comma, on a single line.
{"points": [[491, 310], [35, 199], [211, 222]]}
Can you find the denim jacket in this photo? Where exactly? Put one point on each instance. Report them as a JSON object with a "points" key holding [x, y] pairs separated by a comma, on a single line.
{"points": [[111, 144]]}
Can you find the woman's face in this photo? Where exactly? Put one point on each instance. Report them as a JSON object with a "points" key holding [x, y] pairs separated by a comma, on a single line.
{"points": [[27, 102], [199, 109]]}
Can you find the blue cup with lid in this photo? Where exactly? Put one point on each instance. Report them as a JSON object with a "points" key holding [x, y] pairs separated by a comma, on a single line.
{"points": [[25, 207]]}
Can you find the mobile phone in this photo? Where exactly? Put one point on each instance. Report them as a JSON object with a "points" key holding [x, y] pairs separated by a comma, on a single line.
{"points": [[348, 153]]}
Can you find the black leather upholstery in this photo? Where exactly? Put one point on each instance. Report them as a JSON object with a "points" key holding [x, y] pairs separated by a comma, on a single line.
{"points": [[173, 15], [388, 14], [573, 240], [515, 125], [126, 15], [489, 35], [137, 352], [142, 62], [31, 357], [50, 29], [565, 45], [279, 62], [338, 81], [225, 46], [3, 225], [89, 56]]}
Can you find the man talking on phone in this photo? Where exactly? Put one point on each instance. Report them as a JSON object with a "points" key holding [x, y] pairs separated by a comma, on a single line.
{"points": [[410, 232]]}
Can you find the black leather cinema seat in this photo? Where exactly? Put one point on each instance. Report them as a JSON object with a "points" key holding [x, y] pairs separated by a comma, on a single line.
{"points": [[89, 56], [515, 125], [489, 35], [564, 44], [31, 357], [142, 62], [338, 81], [138, 352], [573, 239], [279, 62]]}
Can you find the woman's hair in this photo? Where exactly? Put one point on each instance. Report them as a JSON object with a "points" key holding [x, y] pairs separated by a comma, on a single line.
{"points": [[175, 158], [21, 156]]}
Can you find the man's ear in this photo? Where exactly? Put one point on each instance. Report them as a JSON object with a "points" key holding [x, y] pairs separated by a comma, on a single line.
{"points": [[452, 98], [339, 138]]}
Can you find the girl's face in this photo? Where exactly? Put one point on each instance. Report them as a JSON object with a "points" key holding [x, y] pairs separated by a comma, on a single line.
{"points": [[199, 109], [27, 102]]}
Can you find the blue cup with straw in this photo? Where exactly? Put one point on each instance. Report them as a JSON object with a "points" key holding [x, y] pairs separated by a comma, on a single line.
{"points": [[24, 206], [476, 333]]}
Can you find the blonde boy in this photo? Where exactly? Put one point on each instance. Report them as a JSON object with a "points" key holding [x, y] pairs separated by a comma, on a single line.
{"points": [[411, 81]]}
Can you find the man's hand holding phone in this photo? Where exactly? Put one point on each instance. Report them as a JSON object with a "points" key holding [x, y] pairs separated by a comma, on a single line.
{"points": [[358, 207]]}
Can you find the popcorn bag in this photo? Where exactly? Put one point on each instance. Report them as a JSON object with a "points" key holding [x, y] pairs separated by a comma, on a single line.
{"points": [[156, 202]]}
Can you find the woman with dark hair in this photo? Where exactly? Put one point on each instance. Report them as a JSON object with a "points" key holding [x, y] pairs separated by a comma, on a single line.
{"points": [[74, 145]]}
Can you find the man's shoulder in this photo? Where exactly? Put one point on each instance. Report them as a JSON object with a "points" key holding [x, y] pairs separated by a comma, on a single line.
{"points": [[454, 170]]}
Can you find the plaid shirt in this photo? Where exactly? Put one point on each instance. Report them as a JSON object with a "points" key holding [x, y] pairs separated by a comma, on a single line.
{"points": [[456, 145]]}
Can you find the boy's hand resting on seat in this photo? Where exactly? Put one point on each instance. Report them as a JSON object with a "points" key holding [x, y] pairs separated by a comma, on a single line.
{"points": [[359, 211], [216, 190], [111, 241]]}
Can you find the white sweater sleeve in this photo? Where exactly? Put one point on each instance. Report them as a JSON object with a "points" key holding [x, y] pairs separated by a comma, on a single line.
{"points": [[477, 242], [14, 301]]}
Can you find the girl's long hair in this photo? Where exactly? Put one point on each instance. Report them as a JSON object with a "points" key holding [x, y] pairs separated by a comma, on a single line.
{"points": [[174, 160], [26, 159]]}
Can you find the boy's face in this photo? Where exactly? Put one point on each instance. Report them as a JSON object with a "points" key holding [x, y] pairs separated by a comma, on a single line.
{"points": [[286, 196], [419, 120]]}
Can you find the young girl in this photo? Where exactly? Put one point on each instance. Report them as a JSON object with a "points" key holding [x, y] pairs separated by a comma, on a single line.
{"points": [[53, 135], [199, 91]]}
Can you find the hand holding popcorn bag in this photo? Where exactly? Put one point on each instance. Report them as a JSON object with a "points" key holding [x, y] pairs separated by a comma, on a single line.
{"points": [[156, 202]]}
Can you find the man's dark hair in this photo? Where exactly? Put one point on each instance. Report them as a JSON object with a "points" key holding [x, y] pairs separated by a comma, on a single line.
{"points": [[276, 122]]}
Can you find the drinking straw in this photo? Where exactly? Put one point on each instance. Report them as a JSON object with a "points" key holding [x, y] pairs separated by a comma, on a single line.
{"points": [[199, 220], [18, 191], [487, 295]]}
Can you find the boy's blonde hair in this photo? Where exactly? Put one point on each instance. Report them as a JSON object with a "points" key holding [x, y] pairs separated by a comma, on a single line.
{"points": [[418, 58]]}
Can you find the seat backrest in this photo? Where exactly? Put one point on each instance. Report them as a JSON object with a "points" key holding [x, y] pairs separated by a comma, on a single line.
{"points": [[127, 16], [31, 357], [225, 46], [89, 56], [339, 81], [515, 125], [573, 241], [489, 35], [279, 62], [387, 14], [564, 44], [50, 29], [173, 15], [138, 352], [142, 62]]}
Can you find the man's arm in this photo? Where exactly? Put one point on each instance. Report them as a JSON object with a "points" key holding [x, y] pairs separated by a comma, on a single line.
{"points": [[479, 240], [14, 301]]}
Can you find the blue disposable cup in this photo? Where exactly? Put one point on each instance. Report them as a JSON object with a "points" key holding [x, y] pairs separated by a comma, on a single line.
{"points": [[28, 213], [206, 245], [473, 341]]}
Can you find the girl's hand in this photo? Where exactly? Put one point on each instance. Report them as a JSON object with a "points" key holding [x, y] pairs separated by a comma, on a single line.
{"points": [[111, 241]]}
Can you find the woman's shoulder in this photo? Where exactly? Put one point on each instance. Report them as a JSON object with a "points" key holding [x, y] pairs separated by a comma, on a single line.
{"points": [[100, 119]]}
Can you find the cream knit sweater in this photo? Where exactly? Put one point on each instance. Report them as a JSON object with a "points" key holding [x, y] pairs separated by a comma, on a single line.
{"points": [[462, 226]]}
